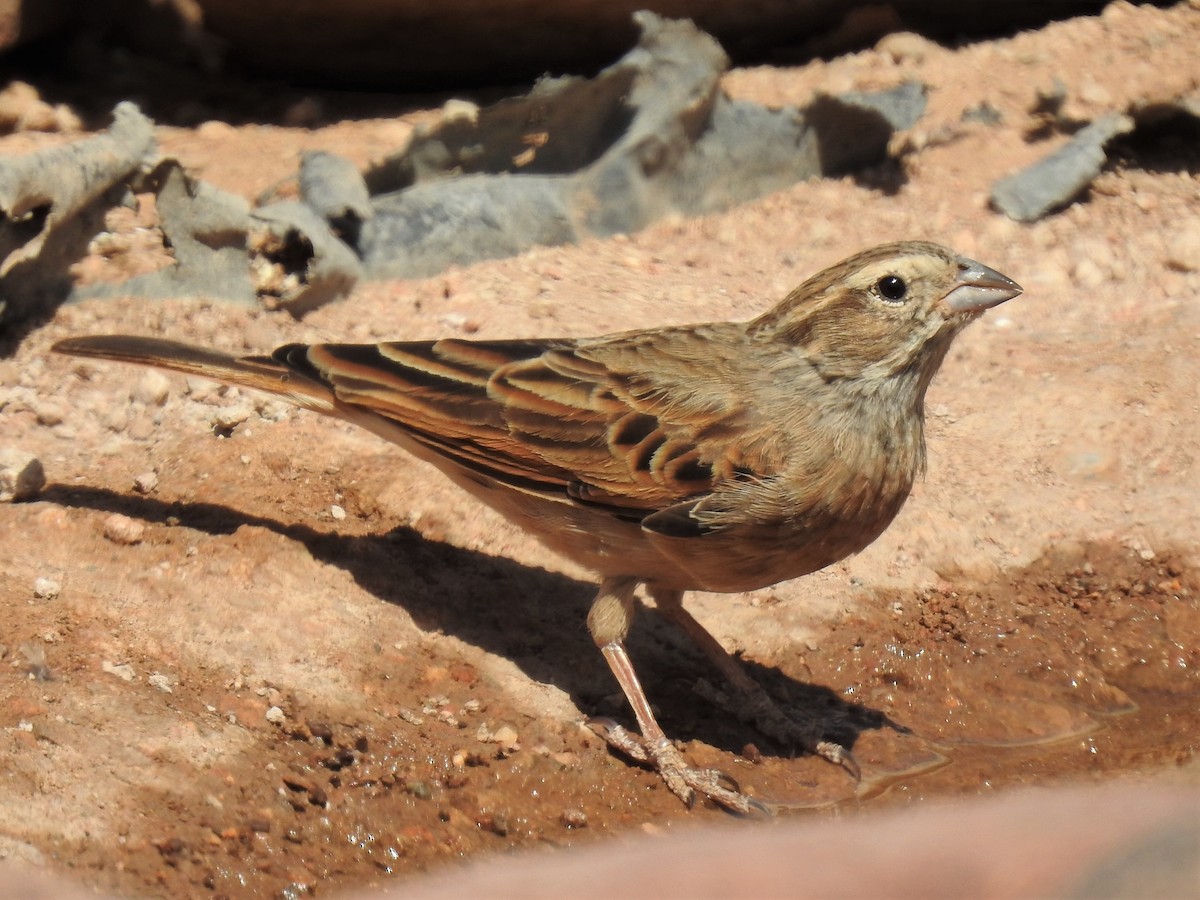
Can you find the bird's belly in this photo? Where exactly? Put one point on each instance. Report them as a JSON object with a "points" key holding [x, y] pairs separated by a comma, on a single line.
{"points": [[728, 562]]}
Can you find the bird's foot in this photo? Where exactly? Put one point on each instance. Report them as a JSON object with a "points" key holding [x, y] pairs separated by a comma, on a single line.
{"points": [[683, 780], [755, 707]]}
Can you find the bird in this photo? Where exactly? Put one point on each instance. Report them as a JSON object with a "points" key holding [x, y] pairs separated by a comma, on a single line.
{"points": [[721, 456]]}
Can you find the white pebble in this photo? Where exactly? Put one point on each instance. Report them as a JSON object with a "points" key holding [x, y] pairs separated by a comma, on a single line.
{"points": [[337, 512], [505, 736], [152, 389], [50, 413], [21, 475], [1183, 250], [906, 47], [229, 418], [1087, 274], [145, 483], [276, 716], [124, 671], [117, 419], [160, 681], [123, 530], [46, 588]]}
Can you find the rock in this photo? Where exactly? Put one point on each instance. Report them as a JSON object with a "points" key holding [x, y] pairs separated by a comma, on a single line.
{"points": [[161, 682], [145, 483], [1183, 249], [46, 588], [152, 389], [50, 413], [123, 530], [21, 475], [124, 671], [22, 109], [1055, 181], [906, 47]]}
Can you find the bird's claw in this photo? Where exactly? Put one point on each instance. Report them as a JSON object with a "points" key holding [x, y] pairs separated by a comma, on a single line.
{"points": [[756, 708], [839, 756], [684, 780]]}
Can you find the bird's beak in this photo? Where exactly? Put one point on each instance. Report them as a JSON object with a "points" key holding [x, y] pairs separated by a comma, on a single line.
{"points": [[979, 288]]}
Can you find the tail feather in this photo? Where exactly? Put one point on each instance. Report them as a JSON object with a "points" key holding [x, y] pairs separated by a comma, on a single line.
{"points": [[260, 373]]}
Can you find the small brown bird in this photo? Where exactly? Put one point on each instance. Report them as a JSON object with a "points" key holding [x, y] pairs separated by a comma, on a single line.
{"points": [[718, 457]]}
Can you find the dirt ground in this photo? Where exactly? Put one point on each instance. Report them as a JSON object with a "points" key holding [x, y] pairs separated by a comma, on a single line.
{"points": [[303, 662]]}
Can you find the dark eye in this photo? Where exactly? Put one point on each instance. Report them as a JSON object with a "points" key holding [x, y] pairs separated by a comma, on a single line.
{"points": [[892, 288]]}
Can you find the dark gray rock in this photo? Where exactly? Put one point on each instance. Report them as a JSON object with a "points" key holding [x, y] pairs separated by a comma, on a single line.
{"points": [[1055, 181]]}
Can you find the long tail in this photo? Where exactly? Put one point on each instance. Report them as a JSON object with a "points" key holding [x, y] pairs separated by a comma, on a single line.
{"points": [[261, 373]]}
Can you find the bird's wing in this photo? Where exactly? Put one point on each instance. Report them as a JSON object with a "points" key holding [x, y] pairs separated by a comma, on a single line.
{"points": [[628, 422]]}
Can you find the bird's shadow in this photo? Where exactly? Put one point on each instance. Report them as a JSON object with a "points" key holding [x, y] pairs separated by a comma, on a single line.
{"points": [[532, 616]]}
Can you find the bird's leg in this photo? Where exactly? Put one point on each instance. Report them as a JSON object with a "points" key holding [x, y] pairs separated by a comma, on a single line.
{"points": [[609, 621], [750, 703]]}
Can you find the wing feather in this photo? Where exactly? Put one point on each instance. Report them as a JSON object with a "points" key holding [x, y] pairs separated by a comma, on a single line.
{"points": [[620, 422]]}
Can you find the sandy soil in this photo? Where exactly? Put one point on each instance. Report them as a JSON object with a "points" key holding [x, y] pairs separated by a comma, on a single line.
{"points": [[304, 659]]}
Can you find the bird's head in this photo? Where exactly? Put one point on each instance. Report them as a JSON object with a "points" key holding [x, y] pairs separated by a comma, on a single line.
{"points": [[890, 310]]}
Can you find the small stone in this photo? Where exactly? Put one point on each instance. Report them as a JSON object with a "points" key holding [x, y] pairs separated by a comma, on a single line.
{"points": [[124, 671], [123, 530], [152, 389], [505, 736], [276, 716], [146, 482], [419, 789], [50, 413], [141, 428], [905, 47], [573, 818], [1087, 274], [411, 717], [259, 825], [21, 475], [160, 681], [1183, 250], [337, 512], [229, 418], [46, 588], [117, 419], [216, 130], [460, 110]]}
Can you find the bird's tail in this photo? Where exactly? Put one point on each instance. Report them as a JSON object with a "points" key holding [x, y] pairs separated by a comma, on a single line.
{"points": [[261, 373]]}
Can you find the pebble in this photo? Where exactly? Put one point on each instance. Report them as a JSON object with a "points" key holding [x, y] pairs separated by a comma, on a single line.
{"points": [[505, 736], [906, 47], [573, 818], [21, 475], [50, 413], [124, 671], [141, 428], [1183, 250], [215, 129], [117, 419], [46, 588], [276, 716], [160, 681], [1087, 274], [152, 389], [146, 482], [337, 512], [462, 110], [224, 421], [123, 530]]}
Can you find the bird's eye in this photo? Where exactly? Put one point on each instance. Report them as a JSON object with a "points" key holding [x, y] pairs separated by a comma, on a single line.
{"points": [[891, 288]]}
